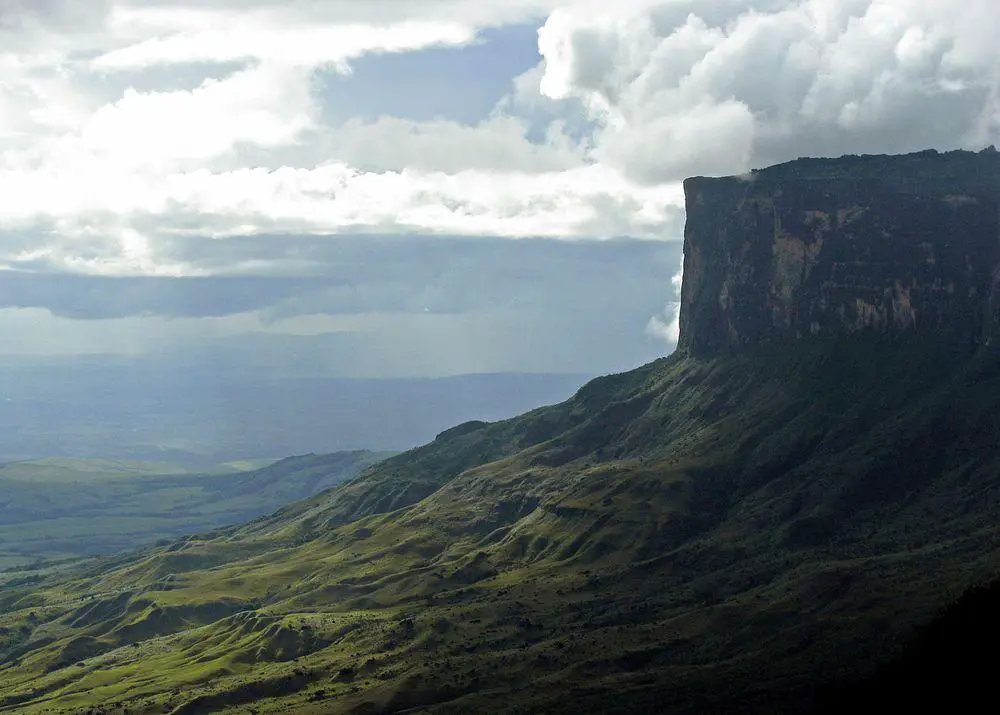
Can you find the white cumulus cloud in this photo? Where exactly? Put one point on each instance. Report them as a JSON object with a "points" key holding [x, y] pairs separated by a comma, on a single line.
{"points": [[125, 123], [667, 326], [684, 87]]}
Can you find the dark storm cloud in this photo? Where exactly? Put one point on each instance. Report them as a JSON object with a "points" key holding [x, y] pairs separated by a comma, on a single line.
{"points": [[96, 297], [366, 274]]}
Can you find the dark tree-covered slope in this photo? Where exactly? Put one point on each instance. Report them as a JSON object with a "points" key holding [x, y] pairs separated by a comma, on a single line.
{"points": [[947, 666]]}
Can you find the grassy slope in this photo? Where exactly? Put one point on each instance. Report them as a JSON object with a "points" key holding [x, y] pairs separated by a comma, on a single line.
{"points": [[692, 533], [58, 507]]}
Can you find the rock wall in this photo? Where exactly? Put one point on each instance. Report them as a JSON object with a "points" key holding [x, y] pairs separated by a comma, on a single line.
{"points": [[870, 244]]}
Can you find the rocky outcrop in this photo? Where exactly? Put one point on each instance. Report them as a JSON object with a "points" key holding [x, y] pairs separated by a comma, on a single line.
{"points": [[871, 244]]}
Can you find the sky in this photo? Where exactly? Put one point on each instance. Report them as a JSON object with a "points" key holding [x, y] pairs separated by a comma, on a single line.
{"points": [[425, 187]]}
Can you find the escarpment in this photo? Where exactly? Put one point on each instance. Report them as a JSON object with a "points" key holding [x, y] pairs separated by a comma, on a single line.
{"points": [[882, 245]]}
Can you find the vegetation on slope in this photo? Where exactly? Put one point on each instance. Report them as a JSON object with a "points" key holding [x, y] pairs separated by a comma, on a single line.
{"points": [[699, 533], [55, 508], [947, 666]]}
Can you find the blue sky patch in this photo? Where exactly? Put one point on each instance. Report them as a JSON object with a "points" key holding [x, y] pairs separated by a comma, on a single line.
{"points": [[462, 84]]}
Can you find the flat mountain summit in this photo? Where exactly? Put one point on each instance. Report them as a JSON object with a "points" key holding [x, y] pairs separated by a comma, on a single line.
{"points": [[771, 511]]}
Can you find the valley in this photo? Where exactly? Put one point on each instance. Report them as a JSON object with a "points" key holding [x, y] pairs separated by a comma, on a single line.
{"points": [[632, 546], [65, 509]]}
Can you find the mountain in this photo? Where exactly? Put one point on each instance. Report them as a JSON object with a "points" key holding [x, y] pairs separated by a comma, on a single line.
{"points": [[876, 244], [764, 516], [64, 508]]}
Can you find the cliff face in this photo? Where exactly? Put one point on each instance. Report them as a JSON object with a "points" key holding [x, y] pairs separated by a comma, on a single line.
{"points": [[871, 244]]}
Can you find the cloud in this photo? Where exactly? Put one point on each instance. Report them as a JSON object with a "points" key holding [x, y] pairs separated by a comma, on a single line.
{"points": [[351, 275], [498, 144], [206, 119], [124, 126], [266, 35], [84, 297], [371, 12], [667, 326], [706, 87], [266, 106], [588, 201], [370, 305]]}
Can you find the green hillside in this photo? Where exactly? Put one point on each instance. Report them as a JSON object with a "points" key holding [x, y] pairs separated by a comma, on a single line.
{"points": [[701, 534], [64, 508]]}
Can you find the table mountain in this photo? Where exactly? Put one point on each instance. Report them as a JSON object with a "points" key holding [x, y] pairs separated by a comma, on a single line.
{"points": [[769, 512]]}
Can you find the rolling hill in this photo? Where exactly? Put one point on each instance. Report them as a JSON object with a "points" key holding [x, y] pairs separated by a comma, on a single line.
{"points": [[65, 508]]}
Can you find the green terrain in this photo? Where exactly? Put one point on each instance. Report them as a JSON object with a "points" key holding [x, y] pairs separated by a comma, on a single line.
{"points": [[718, 534], [63, 508]]}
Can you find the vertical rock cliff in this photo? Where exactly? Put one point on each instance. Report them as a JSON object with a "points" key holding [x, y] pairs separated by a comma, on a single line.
{"points": [[861, 244]]}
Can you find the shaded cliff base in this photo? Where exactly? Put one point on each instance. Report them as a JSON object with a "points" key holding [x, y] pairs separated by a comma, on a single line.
{"points": [[949, 665]]}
